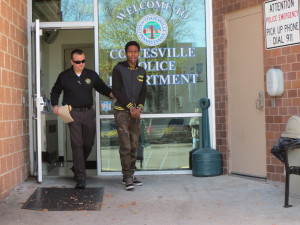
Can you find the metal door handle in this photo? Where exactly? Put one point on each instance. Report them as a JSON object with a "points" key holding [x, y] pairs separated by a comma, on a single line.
{"points": [[40, 103], [260, 102]]}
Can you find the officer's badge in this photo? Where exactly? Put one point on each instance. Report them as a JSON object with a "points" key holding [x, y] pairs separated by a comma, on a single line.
{"points": [[87, 81]]}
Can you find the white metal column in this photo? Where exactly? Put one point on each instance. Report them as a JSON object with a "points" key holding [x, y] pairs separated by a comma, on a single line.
{"points": [[39, 102]]}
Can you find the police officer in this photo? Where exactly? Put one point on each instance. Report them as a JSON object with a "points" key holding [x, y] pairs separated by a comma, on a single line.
{"points": [[77, 84]]}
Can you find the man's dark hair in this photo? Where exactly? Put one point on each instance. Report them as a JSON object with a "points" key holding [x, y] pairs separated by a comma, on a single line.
{"points": [[76, 51], [132, 43]]}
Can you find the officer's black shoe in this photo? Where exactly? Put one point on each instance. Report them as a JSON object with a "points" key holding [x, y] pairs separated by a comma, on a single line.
{"points": [[80, 185]]}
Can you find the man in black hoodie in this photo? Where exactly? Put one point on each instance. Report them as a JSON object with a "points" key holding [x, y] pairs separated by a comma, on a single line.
{"points": [[129, 88]]}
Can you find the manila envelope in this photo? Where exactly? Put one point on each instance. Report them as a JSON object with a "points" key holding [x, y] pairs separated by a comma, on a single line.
{"points": [[64, 114]]}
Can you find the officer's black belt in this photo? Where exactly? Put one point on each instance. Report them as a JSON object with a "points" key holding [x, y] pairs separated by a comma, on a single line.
{"points": [[82, 108]]}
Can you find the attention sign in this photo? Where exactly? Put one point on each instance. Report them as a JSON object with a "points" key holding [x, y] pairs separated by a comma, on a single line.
{"points": [[281, 23]]}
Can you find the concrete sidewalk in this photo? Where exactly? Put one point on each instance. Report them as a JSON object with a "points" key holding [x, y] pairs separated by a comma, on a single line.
{"points": [[163, 200]]}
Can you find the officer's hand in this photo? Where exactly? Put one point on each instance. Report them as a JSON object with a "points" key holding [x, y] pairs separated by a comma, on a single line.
{"points": [[111, 95], [55, 110]]}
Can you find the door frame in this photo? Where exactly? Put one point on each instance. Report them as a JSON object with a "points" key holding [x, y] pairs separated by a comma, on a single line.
{"points": [[39, 103], [34, 64]]}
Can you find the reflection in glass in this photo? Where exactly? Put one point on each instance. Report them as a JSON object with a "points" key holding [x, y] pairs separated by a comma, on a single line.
{"points": [[166, 144], [62, 10], [176, 68]]}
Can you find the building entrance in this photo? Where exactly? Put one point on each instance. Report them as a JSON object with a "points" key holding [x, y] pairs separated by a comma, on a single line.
{"points": [[165, 139], [174, 55]]}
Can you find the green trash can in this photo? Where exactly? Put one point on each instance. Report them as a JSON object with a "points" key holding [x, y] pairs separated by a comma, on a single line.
{"points": [[206, 161]]}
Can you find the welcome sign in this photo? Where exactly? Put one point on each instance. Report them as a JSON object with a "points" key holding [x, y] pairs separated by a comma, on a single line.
{"points": [[152, 30], [172, 36]]}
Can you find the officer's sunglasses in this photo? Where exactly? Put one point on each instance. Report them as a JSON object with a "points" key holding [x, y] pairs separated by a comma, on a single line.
{"points": [[78, 62]]}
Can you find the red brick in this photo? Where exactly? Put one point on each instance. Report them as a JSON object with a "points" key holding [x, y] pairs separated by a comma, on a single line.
{"points": [[281, 60], [9, 162], [1, 61], [292, 93], [295, 84], [295, 49], [2, 189], [291, 58], [295, 66], [4, 9], [1, 149], [3, 165]]}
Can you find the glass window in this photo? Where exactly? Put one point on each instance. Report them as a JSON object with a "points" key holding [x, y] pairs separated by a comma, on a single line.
{"points": [[165, 144], [173, 52], [172, 38], [62, 10]]}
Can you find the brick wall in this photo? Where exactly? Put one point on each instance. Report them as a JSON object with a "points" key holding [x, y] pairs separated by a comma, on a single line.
{"points": [[14, 131], [287, 59]]}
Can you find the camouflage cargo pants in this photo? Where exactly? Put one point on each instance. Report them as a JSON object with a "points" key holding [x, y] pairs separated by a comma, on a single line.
{"points": [[128, 132]]}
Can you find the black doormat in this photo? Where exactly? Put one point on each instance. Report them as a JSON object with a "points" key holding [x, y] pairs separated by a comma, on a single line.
{"points": [[65, 199]]}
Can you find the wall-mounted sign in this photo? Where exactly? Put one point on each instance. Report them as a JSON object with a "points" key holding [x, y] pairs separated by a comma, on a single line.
{"points": [[152, 30], [281, 23], [163, 56], [105, 105]]}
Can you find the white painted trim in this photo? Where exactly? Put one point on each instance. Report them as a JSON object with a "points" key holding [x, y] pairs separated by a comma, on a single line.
{"points": [[150, 172], [169, 115], [67, 25], [30, 99], [97, 100], [39, 102]]}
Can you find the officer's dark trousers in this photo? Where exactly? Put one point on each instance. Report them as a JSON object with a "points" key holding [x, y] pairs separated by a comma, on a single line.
{"points": [[82, 135], [128, 132]]}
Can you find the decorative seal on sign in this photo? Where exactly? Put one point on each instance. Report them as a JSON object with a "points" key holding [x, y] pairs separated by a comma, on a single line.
{"points": [[152, 30]]}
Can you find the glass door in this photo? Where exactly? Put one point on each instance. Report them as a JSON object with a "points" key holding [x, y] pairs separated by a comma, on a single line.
{"points": [[51, 55], [57, 28]]}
